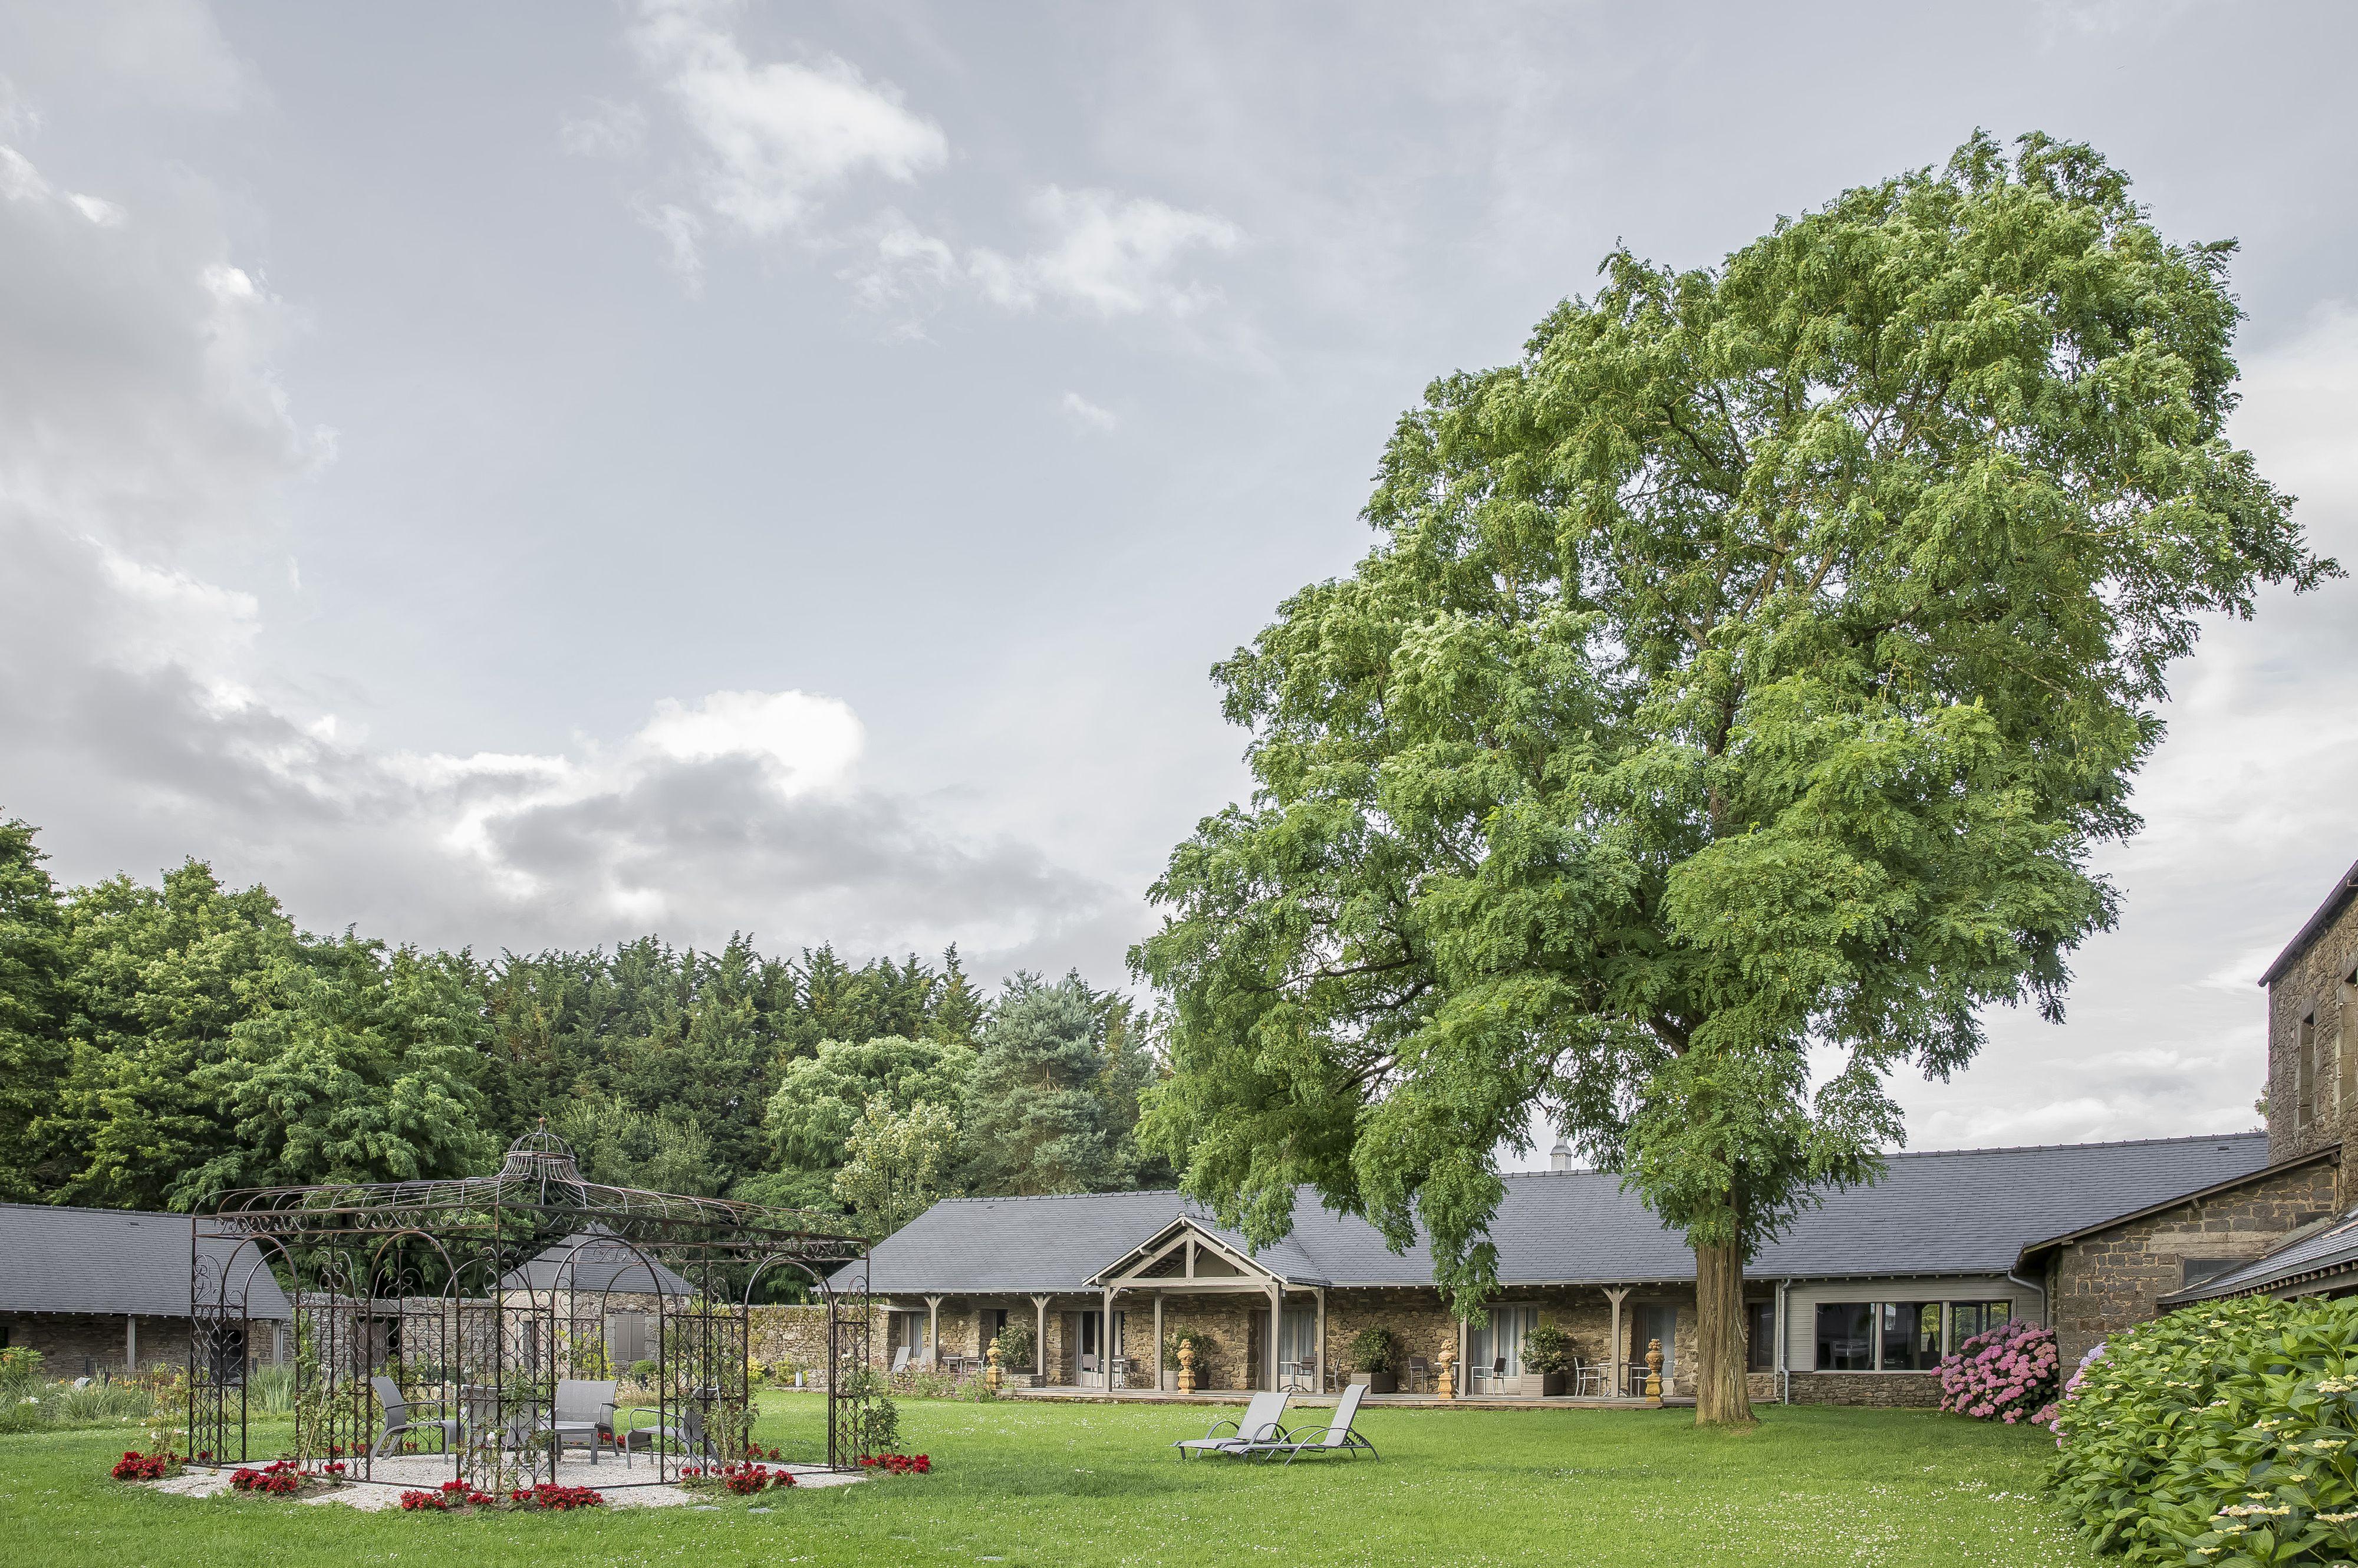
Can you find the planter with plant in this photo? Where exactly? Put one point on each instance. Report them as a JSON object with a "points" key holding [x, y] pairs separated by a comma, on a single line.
{"points": [[1547, 1361], [1207, 1348], [1375, 1359]]}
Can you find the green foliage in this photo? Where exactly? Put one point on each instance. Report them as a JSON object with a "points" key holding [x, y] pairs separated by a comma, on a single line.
{"points": [[876, 1424], [362, 1070], [33, 1002], [1750, 668], [1016, 1347], [820, 1099], [1054, 1104], [898, 1160], [1373, 1349], [20, 1370], [622, 1146], [1547, 1349], [2221, 1433]]}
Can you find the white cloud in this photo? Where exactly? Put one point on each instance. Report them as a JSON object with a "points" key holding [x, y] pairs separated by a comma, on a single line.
{"points": [[1088, 415], [776, 138], [1107, 256], [143, 430]]}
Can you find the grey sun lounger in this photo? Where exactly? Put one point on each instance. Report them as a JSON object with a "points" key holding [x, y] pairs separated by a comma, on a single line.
{"points": [[1259, 1425], [1336, 1437]]}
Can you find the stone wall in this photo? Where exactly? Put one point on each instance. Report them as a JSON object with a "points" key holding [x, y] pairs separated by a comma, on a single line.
{"points": [[90, 1345], [2108, 1281], [2314, 995], [796, 1336], [1891, 1390]]}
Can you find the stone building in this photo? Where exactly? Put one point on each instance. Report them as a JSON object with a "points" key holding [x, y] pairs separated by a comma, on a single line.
{"points": [[105, 1292], [2312, 1088], [1855, 1304]]}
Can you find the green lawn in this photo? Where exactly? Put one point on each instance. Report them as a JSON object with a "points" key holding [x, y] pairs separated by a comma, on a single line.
{"points": [[1072, 1484]]}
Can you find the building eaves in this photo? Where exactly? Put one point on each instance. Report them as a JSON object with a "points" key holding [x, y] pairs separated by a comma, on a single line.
{"points": [[2341, 895]]}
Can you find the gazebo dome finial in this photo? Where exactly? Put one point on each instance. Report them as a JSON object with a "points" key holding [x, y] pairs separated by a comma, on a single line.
{"points": [[540, 1155]]}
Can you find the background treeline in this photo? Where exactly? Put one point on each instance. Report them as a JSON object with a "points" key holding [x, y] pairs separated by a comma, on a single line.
{"points": [[160, 1044]]}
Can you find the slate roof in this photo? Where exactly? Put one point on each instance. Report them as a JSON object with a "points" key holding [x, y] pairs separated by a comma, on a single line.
{"points": [[1964, 1211], [114, 1261], [597, 1266], [2342, 892], [2333, 1247]]}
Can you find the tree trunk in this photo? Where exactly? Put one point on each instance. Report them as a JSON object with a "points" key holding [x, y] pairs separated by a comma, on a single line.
{"points": [[1721, 1396]]}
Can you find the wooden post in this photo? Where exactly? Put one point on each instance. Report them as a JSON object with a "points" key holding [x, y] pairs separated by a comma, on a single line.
{"points": [[933, 1331], [1613, 1356], [1105, 1340], [130, 1347], [1320, 1353], [1040, 1341], [1158, 1342], [1276, 1333]]}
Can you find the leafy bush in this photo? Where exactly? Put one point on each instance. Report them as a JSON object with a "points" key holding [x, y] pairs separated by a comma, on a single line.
{"points": [[20, 1371], [1547, 1349], [94, 1404], [2007, 1374], [1015, 1348], [645, 1372], [1374, 1350], [2222, 1434], [270, 1391]]}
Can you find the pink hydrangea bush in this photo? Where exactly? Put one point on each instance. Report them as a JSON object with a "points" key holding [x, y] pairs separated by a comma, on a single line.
{"points": [[2007, 1374]]}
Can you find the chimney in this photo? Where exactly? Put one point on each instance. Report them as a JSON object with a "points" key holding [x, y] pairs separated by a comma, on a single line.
{"points": [[1560, 1157]]}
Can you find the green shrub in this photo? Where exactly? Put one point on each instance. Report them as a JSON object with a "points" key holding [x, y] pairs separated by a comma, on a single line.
{"points": [[20, 1371], [645, 1372], [1015, 1348], [1374, 1350], [100, 1404], [23, 1411], [1547, 1349], [270, 1389], [2220, 1434]]}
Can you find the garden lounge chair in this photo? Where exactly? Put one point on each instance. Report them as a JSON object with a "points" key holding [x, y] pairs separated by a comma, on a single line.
{"points": [[401, 1415], [583, 1413], [684, 1435], [1259, 1425], [1336, 1437], [899, 1361]]}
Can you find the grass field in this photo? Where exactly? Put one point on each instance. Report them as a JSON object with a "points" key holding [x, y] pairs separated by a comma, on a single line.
{"points": [[1062, 1486]]}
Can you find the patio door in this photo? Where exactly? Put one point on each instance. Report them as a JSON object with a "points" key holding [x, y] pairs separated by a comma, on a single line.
{"points": [[1494, 1353], [1297, 1350]]}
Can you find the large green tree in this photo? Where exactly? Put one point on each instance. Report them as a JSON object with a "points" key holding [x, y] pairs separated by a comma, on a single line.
{"points": [[33, 998], [1750, 667], [1053, 1105], [822, 1097]]}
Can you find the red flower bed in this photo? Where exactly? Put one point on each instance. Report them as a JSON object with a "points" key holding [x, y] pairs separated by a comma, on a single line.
{"points": [[900, 1464], [449, 1494], [548, 1495], [136, 1466], [280, 1477]]}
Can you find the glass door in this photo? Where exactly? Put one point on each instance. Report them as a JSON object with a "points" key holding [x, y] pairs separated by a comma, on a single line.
{"points": [[1493, 1352], [1297, 1350]]}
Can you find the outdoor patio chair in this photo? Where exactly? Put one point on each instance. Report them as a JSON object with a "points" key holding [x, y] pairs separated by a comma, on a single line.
{"points": [[400, 1416], [685, 1433], [1587, 1378], [1336, 1437], [583, 1412], [1418, 1373], [1260, 1423], [900, 1360]]}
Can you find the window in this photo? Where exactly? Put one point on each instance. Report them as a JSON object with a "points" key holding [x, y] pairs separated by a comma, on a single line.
{"points": [[1759, 1336], [2305, 1073], [1969, 1318], [1912, 1337], [1846, 1336]]}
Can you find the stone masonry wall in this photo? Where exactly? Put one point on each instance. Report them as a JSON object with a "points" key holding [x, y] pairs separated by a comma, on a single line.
{"points": [[1889, 1389], [89, 1344], [2108, 1281], [2315, 989]]}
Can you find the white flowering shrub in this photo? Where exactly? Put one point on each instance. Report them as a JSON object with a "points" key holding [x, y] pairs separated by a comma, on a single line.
{"points": [[2220, 1434]]}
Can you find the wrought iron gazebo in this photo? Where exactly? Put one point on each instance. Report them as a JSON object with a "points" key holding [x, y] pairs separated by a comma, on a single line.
{"points": [[479, 1297]]}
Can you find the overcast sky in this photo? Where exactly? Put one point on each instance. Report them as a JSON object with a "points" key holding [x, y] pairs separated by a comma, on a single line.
{"points": [[534, 474]]}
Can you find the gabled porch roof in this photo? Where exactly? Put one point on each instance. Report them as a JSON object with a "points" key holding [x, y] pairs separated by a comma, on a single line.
{"points": [[1189, 1255]]}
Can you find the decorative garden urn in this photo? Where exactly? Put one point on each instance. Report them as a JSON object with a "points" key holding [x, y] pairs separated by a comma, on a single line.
{"points": [[1186, 1366], [1445, 1371], [1654, 1370], [990, 1375]]}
